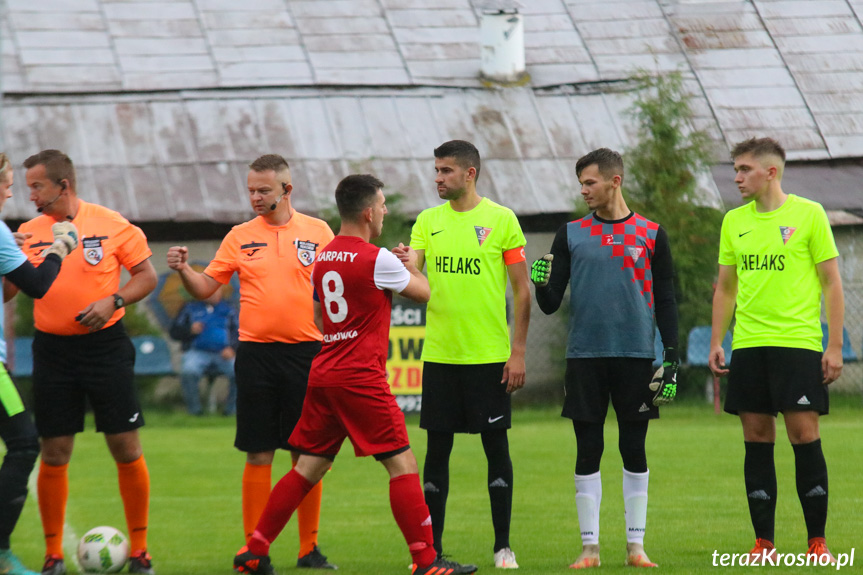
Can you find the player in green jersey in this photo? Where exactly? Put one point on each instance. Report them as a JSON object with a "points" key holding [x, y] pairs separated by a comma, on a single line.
{"points": [[470, 246], [776, 257]]}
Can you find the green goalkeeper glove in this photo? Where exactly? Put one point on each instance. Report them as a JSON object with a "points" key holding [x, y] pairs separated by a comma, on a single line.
{"points": [[664, 381], [65, 239], [540, 271]]}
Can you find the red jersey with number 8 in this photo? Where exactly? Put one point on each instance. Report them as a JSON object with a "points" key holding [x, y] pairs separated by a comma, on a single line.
{"points": [[353, 281]]}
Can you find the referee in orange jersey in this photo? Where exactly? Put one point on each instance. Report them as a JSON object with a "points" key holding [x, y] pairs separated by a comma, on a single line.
{"points": [[273, 255], [81, 350]]}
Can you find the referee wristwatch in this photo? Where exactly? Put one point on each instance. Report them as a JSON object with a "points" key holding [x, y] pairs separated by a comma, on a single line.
{"points": [[119, 301]]}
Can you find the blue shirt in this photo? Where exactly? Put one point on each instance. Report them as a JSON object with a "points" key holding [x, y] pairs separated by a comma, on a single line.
{"points": [[221, 325], [11, 258]]}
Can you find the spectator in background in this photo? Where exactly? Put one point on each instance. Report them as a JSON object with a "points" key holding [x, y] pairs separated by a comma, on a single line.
{"points": [[209, 333]]}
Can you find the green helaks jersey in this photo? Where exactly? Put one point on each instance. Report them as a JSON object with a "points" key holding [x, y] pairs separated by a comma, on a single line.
{"points": [[775, 253], [464, 253]]}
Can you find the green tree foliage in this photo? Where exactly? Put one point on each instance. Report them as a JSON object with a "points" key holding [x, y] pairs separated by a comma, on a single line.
{"points": [[661, 180]]}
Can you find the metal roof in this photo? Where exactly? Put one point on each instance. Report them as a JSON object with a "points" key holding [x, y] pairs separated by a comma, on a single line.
{"points": [[184, 156], [161, 104]]}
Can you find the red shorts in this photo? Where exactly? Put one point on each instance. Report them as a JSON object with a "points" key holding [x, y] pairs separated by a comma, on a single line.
{"points": [[367, 414]]}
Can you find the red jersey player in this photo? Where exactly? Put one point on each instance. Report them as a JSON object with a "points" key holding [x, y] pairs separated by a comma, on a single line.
{"points": [[348, 395]]}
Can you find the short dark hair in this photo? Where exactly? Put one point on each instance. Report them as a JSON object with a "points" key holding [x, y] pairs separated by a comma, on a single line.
{"points": [[270, 162], [758, 147], [464, 153], [355, 193], [58, 166], [608, 162]]}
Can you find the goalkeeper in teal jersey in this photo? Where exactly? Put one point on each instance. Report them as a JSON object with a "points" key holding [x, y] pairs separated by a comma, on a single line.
{"points": [[619, 269], [470, 246], [777, 257]]}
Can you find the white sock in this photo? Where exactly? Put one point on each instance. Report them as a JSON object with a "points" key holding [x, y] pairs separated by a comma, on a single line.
{"points": [[635, 505], [588, 496]]}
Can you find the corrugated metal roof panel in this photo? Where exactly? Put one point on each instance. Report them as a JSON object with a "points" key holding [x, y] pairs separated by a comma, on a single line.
{"points": [[623, 10], [171, 133], [553, 183], [385, 133], [278, 127], [100, 136], [134, 123], [208, 131], [323, 176], [808, 9], [312, 129], [346, 115], [812, 25], [147, 187], [840, 62], [333, 8], [184, 185], [729, 78], [224, 185], [111, 189], [56, 46], [244, 130], [594, 120], [529, 134]]}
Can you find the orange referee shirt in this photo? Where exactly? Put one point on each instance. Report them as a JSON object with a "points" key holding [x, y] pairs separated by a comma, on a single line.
{"points": [[274, 264], [108, 242]]}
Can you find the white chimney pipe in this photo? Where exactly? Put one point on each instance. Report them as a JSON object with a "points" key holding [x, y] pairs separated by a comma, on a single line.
{"points": [[502, 34]]}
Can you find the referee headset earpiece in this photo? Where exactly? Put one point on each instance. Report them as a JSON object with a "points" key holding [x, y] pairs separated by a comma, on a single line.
{"points": [[62, 184], [284, 193]]}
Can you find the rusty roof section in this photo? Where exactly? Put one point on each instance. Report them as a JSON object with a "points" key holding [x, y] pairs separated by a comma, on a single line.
{"points": [[184, 156], [789, 68], [162, 103]]}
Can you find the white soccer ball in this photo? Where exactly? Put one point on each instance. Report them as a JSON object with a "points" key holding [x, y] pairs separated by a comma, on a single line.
{"points": [[103, 550]]}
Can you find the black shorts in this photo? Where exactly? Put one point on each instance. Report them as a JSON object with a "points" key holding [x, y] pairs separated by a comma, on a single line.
{"points": [[590, 382], [464, 398], [774, 379], [69, 370], [271, 386]]}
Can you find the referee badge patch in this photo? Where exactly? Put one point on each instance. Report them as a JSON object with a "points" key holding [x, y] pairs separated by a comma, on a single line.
{"points": [[306, 252], [482, 233], [92, 250]]}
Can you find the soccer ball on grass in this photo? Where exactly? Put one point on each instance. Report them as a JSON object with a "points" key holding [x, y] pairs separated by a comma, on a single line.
{"points": [[103, 550]]}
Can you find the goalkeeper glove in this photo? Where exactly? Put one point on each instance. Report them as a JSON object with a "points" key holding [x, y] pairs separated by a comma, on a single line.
{"points": [[664, 381], [540, 271], [65, 239]]}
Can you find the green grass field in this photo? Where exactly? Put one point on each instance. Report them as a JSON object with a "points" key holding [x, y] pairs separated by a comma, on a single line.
{"points": [[697, 499]]}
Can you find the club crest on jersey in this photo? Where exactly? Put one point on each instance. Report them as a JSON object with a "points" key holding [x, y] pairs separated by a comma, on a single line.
{"points": [[635, 252], [93, 253], [482, 233], [306, 252], [786, 233]]}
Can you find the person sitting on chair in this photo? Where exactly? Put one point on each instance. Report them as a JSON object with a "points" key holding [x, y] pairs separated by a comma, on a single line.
{"points": [[208, 330]]}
